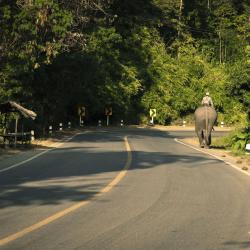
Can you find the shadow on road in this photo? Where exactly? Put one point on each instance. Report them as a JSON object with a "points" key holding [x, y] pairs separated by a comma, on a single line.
{"points": [[78, 170], [241, 244]]}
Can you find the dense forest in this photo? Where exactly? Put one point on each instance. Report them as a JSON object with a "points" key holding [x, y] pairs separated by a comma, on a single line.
{"points": [[133, 55]]}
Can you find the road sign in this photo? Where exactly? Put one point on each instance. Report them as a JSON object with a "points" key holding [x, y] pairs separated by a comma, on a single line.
{"points": [[152, 112], [81, 111], [108, 111]]}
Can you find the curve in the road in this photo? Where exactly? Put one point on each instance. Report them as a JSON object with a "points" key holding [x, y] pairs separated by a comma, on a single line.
{"points": [[68, 210]]}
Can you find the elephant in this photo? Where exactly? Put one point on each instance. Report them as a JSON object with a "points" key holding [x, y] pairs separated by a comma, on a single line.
{"points": [[205, 118]]}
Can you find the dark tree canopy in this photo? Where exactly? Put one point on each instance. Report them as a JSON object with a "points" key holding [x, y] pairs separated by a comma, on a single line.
{"points": [[57, 55]]}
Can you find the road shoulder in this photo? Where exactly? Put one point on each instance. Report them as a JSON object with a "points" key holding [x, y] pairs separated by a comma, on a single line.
{"points": [[15, 156], [240, 162]]}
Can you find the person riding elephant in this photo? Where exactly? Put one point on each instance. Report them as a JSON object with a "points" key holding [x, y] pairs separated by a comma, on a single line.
{"points": [[205, 119], [207, 100]]}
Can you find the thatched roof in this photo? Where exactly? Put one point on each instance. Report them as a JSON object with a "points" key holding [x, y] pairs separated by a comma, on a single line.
{"points": [[10, 106]]}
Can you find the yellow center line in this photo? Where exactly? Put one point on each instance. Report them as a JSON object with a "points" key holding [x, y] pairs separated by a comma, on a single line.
{"points": [[68, 210]]}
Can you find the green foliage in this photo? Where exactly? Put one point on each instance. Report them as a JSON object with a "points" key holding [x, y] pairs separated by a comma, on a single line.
{"points": [[131, 55], [240, 139], [40, 28], [233, 114], [33, 35], [236, 141], [239, 85]]}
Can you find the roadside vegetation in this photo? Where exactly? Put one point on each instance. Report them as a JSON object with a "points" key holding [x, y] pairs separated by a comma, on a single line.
{"points": [[57, 55], [235, 142]]}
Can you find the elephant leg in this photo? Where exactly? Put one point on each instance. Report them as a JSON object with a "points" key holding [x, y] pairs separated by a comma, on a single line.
{"points": [[201, 138], [208, 138], [206, 144]]}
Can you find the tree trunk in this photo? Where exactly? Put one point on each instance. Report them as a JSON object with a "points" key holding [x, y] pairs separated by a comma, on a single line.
{"points": [[179, 18]]}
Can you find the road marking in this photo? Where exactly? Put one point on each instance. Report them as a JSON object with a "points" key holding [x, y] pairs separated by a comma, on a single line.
{"points": [[54, 145], [68, 210], [122, 173], [215, 156]]}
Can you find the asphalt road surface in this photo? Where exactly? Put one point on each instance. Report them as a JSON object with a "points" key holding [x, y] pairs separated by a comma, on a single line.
{"points": [[98, 192]]}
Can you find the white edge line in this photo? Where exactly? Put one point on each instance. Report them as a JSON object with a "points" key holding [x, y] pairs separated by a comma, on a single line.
{"points": [[217, 157], [54, 145]]}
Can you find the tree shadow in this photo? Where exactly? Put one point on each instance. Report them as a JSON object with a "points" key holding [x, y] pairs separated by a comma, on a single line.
{"points": [[82, 167], [241, 244]]}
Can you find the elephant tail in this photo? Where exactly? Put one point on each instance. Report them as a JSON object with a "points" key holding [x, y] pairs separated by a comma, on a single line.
{"points": [[206, 123]]}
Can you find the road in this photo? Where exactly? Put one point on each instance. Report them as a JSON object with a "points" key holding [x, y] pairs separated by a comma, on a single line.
{"points": [[102, 191]]}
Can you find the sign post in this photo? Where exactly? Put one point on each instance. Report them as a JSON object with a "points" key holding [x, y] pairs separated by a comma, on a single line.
{"points": [[81, 113], [152, 113], [108, 112]]}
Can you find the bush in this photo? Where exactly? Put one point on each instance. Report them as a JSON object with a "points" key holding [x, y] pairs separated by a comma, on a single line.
{"points": [[240, 139], [143, 119]]}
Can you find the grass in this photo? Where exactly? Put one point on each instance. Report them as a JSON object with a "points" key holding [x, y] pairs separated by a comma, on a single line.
{"points": [[224, 143], [220, 143]]}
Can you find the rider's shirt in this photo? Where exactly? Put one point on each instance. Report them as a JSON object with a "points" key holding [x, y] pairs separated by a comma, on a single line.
{"points": [[207, 100]]}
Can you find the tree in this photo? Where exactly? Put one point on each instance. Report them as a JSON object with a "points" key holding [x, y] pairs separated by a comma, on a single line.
{"points": [[33, 35]]}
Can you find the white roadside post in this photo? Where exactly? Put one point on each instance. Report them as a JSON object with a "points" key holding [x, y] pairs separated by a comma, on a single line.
{"points": [[69, 124], [60, 126], [32, 135], [184, 123], [50, 130], [121, 123], [99, 123], [248, 148], [222, 124]]}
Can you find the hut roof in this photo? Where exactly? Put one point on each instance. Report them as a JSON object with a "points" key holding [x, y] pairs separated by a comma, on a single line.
{"points": [[10, 106]]}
